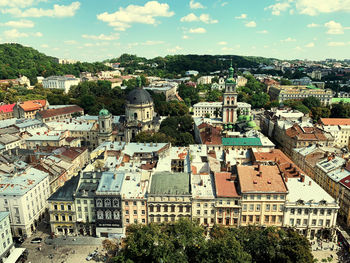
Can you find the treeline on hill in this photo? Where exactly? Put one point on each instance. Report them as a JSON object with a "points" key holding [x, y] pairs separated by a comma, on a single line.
{"points": [[172, 66], [16, 60], [186, 241]]}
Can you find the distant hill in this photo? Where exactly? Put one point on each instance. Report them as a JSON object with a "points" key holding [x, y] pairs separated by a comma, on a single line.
{"points": [[16, 60], [179, 64]]}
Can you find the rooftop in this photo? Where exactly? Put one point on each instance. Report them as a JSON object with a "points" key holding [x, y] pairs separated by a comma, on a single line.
{"points": [[241, 142], [330, 163], [133, 187], [346, 181], [166, 183], [7, 108], [335, 121], [31, 105], [21, 183], [261, 178], [3, 215], [65, 192], [338, 175], [202, 186], [225, 185], [110, 182], [60, 111], [308, 191]]}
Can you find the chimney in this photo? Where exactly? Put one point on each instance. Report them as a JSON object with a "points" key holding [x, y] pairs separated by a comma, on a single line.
{"points": [[286, 179], [309, 182], [260, 174], [302, 178]]}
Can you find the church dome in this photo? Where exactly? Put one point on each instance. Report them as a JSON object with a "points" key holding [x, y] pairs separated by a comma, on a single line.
{"points": [[103, 112], [251, 124], [139, 96]]}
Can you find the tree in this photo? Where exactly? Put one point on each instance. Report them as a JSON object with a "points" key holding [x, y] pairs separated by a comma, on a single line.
{"points": [[340, 110], [320, 112], [285, 82], [311, 102]]}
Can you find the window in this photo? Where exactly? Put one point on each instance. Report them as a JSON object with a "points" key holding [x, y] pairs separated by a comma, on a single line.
{"points": [[315, 211], [320, 222], [127, 212], [257, 207], [321, 212], [143, 212], [55, 207], [57, 218], [267, 208], [281, 208], [250, 218], [305, 222], [135, 212], [299, 211], [252, 197], [268, 197], [267, 219], [107, 202], [98, 203], [292, 211], [328, 222], [198, 212], [85, 202], [198, 205], [126, 203], [244, 207], [151, 208], [245, 197], [306, 211], [108, 214], [69, 207], [116, 214], [298, 222], [275, 197], [257, 219], [291, 222], [258, 197], [143, 221], [274, 207], [165, 208], [273, 219], [134, 203], [70, 218], [282, 197], [85, 209], [62, 207], [116, 202], [314, 222], [251, 207], [127, 220], [63, 218], [329, 212], [228, 202]]}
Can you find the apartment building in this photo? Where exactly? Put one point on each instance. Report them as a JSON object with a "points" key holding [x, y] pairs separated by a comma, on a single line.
{"points": [[339, 128], [6, 242], [60, 82], [6, 111], [25, 196], [62, 209], [263, 192], [28, 109], [309, 208], [169, 197], [60, 113], [227, 201]]}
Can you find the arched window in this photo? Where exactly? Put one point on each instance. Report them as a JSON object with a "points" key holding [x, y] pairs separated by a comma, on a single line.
{"points": [[115, 202], [103, 124], [107, 203], [147, 114], [99, 203], [108, 214], [99, 214], [116, 214], [135, 116]]}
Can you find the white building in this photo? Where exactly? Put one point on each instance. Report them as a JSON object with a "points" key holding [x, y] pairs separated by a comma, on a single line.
{"points": [[6, 242], [309, 208], [191, 73], [201, 109], [60, 82], [205, 80], [25, 196]]}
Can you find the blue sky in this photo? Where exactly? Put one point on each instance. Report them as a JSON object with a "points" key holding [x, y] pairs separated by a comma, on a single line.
{"points": [[93, 30]]}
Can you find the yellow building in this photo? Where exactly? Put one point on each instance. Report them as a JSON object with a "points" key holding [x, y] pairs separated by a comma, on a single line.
{"points": [[263, 192], [62, 209]]}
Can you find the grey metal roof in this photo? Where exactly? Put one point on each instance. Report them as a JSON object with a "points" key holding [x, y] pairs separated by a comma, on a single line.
{"points": [[65, 193], [139, 96]]}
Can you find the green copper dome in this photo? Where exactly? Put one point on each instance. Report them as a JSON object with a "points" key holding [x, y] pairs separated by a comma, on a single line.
{"points": [[247, 118], [230, 126], [104, 112], [240, 117], [251, 124], [230, 78]]}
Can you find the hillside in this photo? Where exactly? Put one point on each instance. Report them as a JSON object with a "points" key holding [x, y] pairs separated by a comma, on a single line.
{"points": [[179, 64], [16, 60]]}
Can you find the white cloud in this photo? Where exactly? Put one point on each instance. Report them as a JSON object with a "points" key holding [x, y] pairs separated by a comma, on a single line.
{"points": [[152, 42], [242, 16], [313, 25], [205, 18], [57, 11], [336, 44], [114, 36], [174, 50], [263, 32], [37, 34], [44, 46], [224, 3], [19, 23], [289, 39], [124, 17], [227, 48], [70, 42], [19, 3], [250, 24], [334, 28], [310, 7], [14, 33], [97, 44], [195, 5], [198, 30], [278, 8], [311, 44], [298, 48], [185, 37], [222, 43]]}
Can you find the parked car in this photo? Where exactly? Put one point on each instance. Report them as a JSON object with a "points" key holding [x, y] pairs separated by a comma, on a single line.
{"points": [[36, 240], [91, 255]]}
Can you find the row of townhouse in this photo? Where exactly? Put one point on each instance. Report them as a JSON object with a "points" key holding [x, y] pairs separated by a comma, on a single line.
{"points": [[270, 192], [329, 168]]}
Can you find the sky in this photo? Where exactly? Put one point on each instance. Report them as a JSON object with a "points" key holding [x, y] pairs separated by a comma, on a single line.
{"points": [[95, 30]]}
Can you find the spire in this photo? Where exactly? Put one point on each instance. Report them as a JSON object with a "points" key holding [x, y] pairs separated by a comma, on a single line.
{"points": [[230, 70], [138, 82]]}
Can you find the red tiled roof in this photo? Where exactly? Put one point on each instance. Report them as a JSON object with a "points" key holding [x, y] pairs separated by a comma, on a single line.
{"points": [[60, 111], [306, 133], [210, 135], [346, 182], [225, 187], [335, 121], [31, 105], [7, 108], [284, 164], [261, 178]]}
